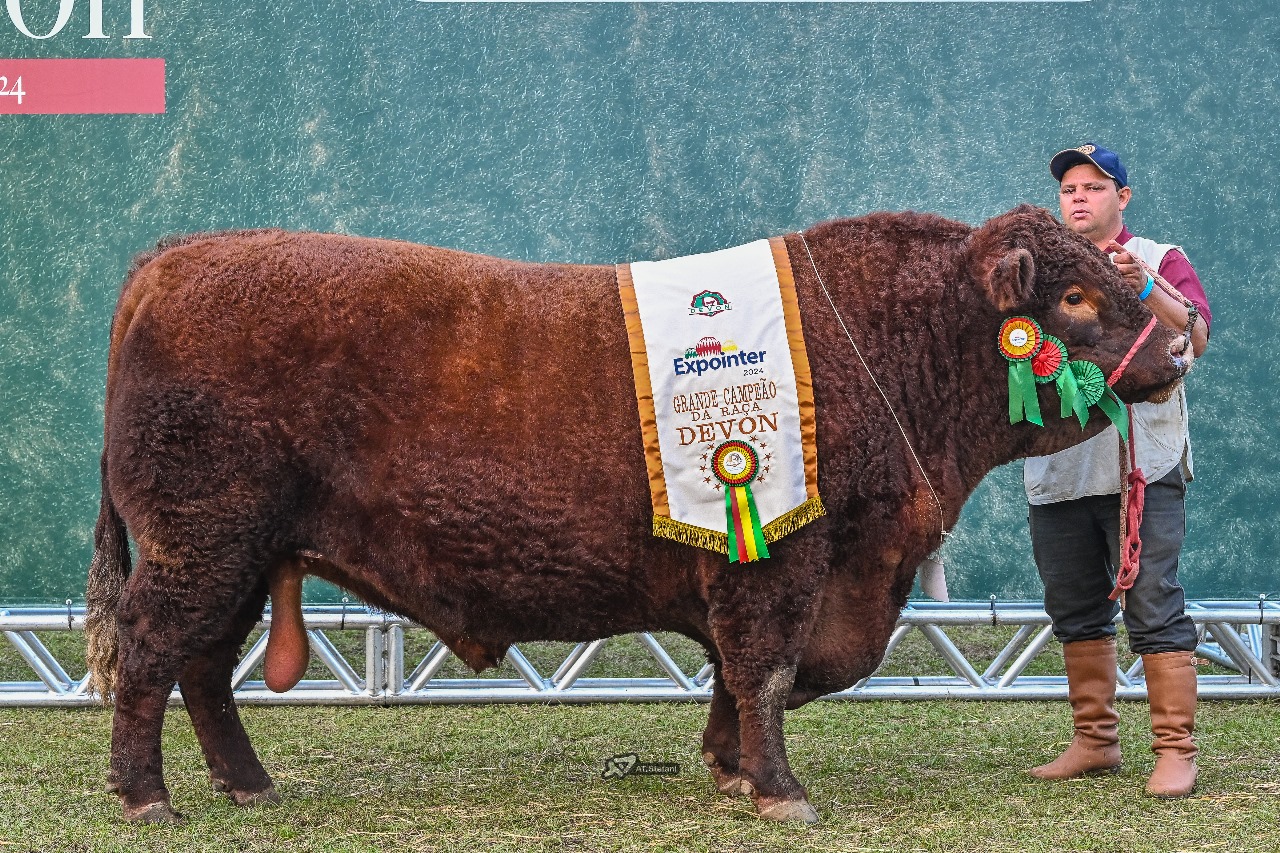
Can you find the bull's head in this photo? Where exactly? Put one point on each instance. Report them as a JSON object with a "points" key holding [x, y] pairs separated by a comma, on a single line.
{"points": [[1030, 265]]}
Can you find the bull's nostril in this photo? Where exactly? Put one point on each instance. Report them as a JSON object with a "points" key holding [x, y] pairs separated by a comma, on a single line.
{"points": [[1181, 353]]}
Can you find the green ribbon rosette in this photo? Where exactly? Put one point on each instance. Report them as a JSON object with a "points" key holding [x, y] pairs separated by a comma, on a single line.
{"points": [[1036, 358], [1051, 364], [1093, 388], [1019, 340]]}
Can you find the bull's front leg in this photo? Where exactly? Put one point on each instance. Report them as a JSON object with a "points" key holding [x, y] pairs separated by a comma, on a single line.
{"points": [[720, 740], [759, 619], [763, 768]]}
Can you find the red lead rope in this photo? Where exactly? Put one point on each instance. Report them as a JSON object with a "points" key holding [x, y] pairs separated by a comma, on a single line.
{"points": [[1133, 491], [1133, 350], [1133, 487], [1133, 484]]}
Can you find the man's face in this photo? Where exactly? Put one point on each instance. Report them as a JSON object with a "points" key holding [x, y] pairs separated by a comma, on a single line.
{"points": [[1091, 203]]}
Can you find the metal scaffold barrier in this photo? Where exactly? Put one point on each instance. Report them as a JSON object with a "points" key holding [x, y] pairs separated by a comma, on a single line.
{"points": [[1240, 640]]}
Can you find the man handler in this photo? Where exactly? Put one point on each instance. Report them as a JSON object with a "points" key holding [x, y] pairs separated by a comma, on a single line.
{"points": [[1075, 515]]}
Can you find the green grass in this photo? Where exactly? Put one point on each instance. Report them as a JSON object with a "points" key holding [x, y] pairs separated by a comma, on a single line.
{"points": [[884, 776]]}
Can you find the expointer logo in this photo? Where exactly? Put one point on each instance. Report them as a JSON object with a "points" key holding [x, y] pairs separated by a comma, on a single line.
{"points": [[710, 355]]}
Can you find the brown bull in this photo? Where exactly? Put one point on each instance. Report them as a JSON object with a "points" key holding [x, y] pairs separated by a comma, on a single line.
{"points": [[455, 438]]}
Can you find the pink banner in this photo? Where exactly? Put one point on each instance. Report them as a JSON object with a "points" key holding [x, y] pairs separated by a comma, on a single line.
{"points": [[63, 86]]}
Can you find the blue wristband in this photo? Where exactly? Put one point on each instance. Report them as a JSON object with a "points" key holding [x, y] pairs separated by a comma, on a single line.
{"points": [[1146, 291]]}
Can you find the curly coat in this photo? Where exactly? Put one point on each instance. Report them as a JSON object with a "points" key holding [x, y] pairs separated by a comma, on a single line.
{"points": [[455, 438]]}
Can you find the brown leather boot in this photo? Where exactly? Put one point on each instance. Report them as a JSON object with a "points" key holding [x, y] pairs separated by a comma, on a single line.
{"points": [[1091, 687], [1171, 689]]}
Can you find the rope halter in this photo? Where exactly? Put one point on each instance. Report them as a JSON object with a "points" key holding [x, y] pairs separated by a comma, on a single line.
{"points": [[1035, 357]]}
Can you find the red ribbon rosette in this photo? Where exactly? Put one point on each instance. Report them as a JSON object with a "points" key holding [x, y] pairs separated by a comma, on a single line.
{"points": [[1050, 361]]}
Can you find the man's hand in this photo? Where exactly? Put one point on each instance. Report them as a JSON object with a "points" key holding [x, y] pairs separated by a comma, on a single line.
{"points": [[1129, 270], [1170, 308]]}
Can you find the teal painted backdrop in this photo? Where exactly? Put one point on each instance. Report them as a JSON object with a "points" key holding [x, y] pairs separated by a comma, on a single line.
{"points": [[610, 132]]}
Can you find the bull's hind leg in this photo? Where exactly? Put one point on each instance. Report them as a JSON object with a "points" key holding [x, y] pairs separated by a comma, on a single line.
{"points": [[170, 612], [142, 691], [234, 767]]}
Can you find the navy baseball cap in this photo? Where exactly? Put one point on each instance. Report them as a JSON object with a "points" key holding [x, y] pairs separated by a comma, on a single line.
{"points": [[1106, 160]]}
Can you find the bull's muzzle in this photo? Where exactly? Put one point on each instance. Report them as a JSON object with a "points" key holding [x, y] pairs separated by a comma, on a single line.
{"points": [[1181, 352]]}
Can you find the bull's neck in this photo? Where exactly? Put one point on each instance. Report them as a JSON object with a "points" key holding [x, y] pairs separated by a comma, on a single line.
{"points": [[984, 437], [939, 370], [952, 400], [931, 349]]}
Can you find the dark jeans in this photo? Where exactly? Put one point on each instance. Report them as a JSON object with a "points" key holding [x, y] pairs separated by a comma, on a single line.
{"points": [[1077, 551]]}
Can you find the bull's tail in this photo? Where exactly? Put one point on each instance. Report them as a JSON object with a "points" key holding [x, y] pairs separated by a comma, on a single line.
{"points": [[111, 564], [108, 572]]}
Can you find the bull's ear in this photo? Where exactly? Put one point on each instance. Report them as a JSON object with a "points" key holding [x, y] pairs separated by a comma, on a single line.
{"points": [[1010, 279]]}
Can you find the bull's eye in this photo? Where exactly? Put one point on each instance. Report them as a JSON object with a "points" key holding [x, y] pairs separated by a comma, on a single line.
{"points": [[1074, 298]]}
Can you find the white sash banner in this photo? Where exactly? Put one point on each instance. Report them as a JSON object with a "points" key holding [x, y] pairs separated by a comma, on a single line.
{"points": [[725, 397]]}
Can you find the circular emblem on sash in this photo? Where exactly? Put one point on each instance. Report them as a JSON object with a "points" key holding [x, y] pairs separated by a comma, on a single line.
{"points": [[1020, 338], [735, 463]]}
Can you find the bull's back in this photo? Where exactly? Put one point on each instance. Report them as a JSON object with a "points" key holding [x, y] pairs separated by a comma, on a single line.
{"points": [[396, 373], [397, 341]]}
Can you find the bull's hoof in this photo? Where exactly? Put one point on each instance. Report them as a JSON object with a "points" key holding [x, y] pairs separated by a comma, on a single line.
{"points": [[159, 813], [728, 782], [247, 799], [785, 810], [265, 796]]}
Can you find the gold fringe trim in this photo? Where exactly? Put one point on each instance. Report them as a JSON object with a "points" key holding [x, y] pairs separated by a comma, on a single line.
{"points": [[790, 522], [690, 534], [700, 537]]}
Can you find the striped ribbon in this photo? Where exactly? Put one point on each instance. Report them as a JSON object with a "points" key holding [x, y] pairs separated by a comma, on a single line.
{"points": [[742, 520]]}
